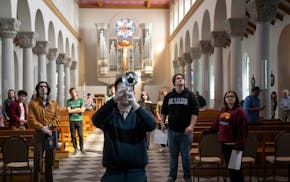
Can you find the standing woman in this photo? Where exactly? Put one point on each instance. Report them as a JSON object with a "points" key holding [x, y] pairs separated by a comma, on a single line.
{"points": [[232, 127], [146, 104], [273, 104]]}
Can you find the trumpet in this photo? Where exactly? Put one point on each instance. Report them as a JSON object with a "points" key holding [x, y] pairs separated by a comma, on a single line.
{"points": [[130, 78]]}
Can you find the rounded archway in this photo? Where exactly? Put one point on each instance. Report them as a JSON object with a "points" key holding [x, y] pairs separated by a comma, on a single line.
{"points": [[39, 26], [187, 41], [67, 49], [23, 15], [51, 35], [60, 42], [181, 51], [195, 34]]}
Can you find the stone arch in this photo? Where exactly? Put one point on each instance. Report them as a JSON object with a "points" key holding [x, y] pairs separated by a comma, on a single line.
{"points": [[60, 42], [187, 41], [23, 15], [220, 15], [73, 52], [195, 34], [175, 51], [6, 10], [181, 51], [67, 49], [283, 63], [205, 27], [51, 35], [39, 26]]}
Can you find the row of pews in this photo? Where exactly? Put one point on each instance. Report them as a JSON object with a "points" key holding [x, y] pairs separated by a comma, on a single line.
{"points": [[64, 139], [265, 134]]}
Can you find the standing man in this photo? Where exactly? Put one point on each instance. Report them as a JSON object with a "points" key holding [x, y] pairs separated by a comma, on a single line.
{"points": [[17, 112], [43, 116], [252, 106], [181, 107], [76, 108], [124, 124], [285, 106]]}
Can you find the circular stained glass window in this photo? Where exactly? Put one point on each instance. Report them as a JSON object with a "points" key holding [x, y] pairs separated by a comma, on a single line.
{"points": [[125, 28]]}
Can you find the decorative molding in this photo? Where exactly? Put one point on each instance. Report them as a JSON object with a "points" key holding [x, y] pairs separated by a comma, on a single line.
{"points": [[262, 10], [41, 47], [74, 65], [51, 55], [206, 47], [9, 27], [61, 58], [236, 26], [187, 58], [195, 52], [219, 38], [54, 9], [26, 39], [185, 19]]}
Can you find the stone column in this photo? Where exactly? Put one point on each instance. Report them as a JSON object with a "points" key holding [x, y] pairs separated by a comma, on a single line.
{"points": [[102, 51], [74, 74], [175, 66], [206, 50], [51, 56], [41, 49], [236, 27], [263, 12], [187, 60], [67, 77], [60, 61], [27, 41], [8, 30], [147, 53], [195, 56], [181, 64], [219, 41]]}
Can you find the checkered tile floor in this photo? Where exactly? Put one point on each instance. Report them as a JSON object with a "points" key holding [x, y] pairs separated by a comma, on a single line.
{"points": [[88, 167]]}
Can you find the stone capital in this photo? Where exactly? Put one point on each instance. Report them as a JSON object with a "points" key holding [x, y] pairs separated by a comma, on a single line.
{"points": [[219, 38], [9, 27], [236, 26], [51, 55], [262, 10], [195, 52], [41, 47], [101, 26], [73, 65], [206, 47], [67, 63], [61, 58], [180, 61], [187, 58], [26, 39]]}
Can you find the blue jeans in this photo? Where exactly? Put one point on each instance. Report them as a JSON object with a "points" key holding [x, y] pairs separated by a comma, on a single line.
{"points": [[179, 142], [131, 175]]}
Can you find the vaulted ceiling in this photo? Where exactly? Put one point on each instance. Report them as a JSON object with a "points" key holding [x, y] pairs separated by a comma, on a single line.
{"points": [[127, 4]]}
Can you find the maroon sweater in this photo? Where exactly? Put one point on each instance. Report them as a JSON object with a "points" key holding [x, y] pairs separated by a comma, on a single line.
{"points": [[232, 126], [14, 113]]}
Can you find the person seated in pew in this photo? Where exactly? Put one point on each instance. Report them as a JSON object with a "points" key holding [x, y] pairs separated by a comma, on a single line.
{"points": [[18, 113], [232, 127], [6, 104]]}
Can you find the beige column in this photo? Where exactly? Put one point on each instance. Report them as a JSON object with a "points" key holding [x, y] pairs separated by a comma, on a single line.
{"points": [[27, 42], [187, 60], [263, 12], [67, 77], [219, 41], [206, 50], [60, 61], [41, 49], [74, 74], [8, 30], [181, 64], [236, 27], [195, 54], [51, 78]]}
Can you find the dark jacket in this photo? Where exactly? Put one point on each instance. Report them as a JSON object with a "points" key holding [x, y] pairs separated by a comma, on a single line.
{"points": [[125, 143], [232, 126], [179, 108]]}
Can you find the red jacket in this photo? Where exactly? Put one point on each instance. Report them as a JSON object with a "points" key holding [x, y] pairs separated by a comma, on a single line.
{"points": [[232, 126], [14, 113]]}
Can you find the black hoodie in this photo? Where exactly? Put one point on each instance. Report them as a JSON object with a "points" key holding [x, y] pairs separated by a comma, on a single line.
{"points": [[179, 107]]}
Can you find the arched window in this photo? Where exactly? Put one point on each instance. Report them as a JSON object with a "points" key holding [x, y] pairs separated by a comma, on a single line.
{"points": [[246, 77]]}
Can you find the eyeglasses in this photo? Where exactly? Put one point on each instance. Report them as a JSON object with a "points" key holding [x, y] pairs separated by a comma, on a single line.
{"points": [[230, 96]]}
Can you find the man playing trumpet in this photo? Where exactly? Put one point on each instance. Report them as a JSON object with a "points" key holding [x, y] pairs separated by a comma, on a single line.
{"points": [[124, 124]]}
